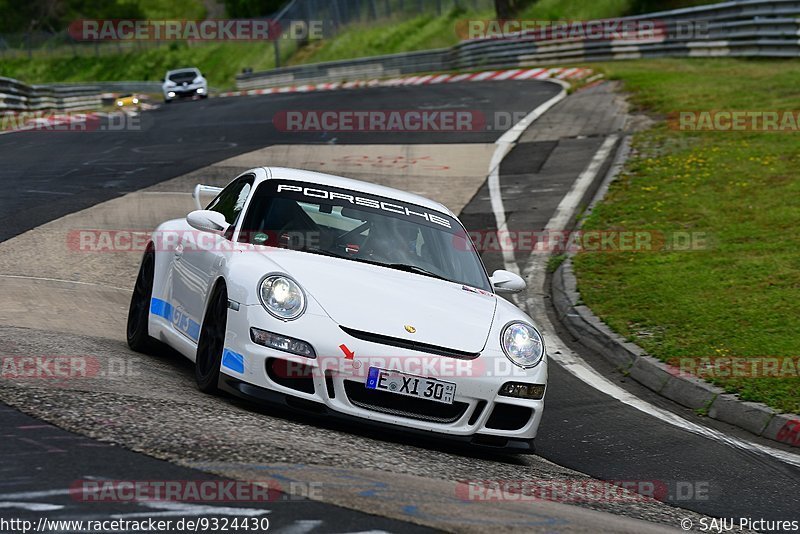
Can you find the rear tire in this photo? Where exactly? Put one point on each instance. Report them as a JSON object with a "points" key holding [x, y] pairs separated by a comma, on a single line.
{"points": [[212, 341], [138, 334]]}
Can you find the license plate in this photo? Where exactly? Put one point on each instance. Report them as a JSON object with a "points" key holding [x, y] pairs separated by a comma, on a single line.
{"points": [[410, 385]]}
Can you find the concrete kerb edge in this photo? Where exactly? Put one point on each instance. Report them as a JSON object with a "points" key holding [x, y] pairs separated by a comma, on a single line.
{"points": [[591, 332]]}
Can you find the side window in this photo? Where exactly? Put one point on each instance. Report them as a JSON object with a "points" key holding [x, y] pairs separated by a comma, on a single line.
{"points": [[230, 201]]}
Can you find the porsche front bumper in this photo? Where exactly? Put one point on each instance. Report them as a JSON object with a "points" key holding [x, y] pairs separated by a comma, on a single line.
{"points": [[333, 385]]}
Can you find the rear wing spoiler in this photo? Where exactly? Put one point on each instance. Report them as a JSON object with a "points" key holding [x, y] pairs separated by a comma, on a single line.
{"points": [[200, 189]]}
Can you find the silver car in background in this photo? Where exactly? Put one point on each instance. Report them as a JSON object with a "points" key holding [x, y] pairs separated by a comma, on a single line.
{"points": [[184, 83]]}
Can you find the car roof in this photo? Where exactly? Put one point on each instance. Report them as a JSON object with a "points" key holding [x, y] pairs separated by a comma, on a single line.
{"points": [[320, 178]]}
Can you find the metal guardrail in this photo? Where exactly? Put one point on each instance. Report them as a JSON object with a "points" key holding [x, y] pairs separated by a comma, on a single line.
{"points": [[17, 96], [117, 87], [741, 28], [378, 67]]}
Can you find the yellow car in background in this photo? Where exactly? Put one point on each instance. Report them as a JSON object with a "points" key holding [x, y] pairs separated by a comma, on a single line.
{"points": [[127, 101]]}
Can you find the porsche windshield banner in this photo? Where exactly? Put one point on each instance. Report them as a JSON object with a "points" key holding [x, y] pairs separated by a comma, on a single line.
{"points": [[323, 194]]}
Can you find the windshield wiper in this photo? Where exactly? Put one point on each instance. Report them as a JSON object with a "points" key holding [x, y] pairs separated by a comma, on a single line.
{"points": [[413, 269], [319, 251]]}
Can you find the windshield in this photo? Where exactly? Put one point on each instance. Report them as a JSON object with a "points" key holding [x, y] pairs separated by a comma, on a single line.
{"points": [[360, 227], [183, 76]]}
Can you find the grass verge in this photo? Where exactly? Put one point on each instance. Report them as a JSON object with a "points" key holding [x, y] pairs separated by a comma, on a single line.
{"points": [[222, 61], [740, 295]]}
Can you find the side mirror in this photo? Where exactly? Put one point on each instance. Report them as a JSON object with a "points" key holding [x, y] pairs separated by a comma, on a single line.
{"points": [[207, 221], [507, 282]]}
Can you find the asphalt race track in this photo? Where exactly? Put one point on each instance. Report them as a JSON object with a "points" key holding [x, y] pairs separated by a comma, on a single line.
{"points": [[48, 175]]}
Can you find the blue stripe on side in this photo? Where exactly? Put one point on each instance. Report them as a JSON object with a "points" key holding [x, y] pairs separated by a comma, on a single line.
{"points": [[193, 329], [179, 319], [162, 308], [233, 361]]}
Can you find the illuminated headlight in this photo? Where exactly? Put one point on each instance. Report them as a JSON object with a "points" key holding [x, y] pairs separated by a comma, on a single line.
{"points": [[522, 391], [135, 100], [522, 344], [284, 343], [282, 297], [119, 103], [171, 94], [200, 90]]}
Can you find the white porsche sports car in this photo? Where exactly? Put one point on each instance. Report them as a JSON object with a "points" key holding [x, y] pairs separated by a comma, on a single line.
{"points": [[343, 298]]}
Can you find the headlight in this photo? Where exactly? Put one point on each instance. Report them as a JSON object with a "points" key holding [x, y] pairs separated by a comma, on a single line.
{"points": [[282, 297], [135, 100], [523, 344]]}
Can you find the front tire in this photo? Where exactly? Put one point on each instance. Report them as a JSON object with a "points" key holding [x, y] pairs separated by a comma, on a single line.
{"points": [[138, 334], [212, 341]]}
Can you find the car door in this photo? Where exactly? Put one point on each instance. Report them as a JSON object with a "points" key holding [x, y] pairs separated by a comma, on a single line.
{"points": [[199, 256]]}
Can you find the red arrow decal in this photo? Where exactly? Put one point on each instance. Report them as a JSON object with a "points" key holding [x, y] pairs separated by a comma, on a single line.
{"points": [[347, 354]]}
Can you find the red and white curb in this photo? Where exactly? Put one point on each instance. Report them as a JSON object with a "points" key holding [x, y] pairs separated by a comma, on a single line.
{"points": [[558, 73]]}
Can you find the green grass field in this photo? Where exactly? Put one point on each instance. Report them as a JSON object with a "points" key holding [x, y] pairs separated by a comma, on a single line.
{"points": [[740, 296], [222, 61]]}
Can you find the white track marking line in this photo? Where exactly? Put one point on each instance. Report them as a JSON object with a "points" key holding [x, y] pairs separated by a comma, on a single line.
{"points": [[502, 147], [43, 279], [37, 494], [534, 304]]}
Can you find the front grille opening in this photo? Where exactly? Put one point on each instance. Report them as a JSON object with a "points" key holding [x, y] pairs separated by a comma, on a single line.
{"points": [[329, 385], [292, 375], [476, 413], [393, 404], [409, 344], [509, 417]]}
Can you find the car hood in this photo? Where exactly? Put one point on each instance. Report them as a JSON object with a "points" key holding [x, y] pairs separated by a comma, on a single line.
{"points": [[383, 301]]}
